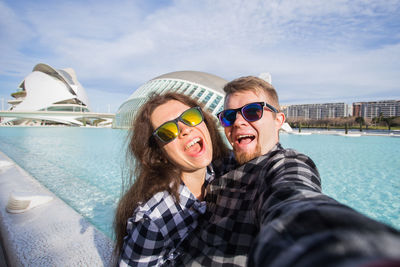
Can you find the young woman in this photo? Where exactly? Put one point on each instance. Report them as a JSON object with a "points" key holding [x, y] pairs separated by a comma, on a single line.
{"points": [[172, 143]]}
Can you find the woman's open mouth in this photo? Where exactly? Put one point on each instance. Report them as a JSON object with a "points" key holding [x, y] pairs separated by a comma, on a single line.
{"points": [[195, 146]]}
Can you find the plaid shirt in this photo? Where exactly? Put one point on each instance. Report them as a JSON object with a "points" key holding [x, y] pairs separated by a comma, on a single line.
{"points": [[239, 201], [158, 227], [271, 212]]}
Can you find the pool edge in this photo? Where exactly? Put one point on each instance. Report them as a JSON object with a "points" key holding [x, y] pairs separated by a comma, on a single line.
{"points": [[50, 234]]}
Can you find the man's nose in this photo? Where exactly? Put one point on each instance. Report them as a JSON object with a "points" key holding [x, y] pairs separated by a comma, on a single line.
{"points": [[239, 119]]}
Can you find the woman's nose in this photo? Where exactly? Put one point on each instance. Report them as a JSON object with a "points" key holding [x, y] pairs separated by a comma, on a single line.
{"points": [[184, 129]]}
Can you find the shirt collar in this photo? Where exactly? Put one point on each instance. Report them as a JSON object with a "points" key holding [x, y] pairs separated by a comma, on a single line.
{"points": [[210, 175], [188, 200]]}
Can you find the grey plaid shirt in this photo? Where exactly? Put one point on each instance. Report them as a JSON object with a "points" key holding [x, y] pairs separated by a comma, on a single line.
{"points": [[158, 227], [271, 212], [239, 201]]}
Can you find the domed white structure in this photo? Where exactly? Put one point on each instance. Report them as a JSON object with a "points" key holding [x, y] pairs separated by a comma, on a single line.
{"points": [[204, 87], [49, 89]]}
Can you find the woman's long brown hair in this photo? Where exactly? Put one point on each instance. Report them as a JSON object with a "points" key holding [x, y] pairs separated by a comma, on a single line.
{"points": [[149, 170]]}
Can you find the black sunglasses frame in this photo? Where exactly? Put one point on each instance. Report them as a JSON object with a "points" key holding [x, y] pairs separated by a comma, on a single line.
{"points": [[236, 110], [177, 125]]}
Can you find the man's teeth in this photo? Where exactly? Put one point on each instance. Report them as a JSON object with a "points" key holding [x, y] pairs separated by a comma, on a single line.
{"points": [[194, 141], [245, 136]]}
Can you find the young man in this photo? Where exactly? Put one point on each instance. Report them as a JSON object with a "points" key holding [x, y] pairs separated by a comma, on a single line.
{"points": [[268, 209]]}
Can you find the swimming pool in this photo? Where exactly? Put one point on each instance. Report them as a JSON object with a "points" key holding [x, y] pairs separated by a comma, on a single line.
{"points": [[83, 167]]}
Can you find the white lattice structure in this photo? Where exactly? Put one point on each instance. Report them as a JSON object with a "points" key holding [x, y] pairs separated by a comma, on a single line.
{"points": [[204, 87]]}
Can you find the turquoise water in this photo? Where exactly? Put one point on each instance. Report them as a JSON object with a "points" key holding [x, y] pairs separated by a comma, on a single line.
{"points": [[83, 167], [362, 172]]}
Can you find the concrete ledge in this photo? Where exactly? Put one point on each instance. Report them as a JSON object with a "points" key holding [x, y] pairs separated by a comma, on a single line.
{"points": [[52, 234]]}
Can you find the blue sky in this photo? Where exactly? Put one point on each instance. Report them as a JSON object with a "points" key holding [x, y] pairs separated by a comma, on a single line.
{"points": [[316, 51]]}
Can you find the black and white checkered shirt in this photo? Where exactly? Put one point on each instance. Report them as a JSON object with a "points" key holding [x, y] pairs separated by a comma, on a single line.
{"points": [[240, 200], [271, 212], [158, 227]]}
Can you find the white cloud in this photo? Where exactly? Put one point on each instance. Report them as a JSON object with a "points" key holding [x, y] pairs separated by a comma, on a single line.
{"points": [[318, 49], [13, 35]]}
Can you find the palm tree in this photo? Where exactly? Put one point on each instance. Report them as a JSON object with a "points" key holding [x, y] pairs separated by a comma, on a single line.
{"points": [[389, 122], [361, 121]]}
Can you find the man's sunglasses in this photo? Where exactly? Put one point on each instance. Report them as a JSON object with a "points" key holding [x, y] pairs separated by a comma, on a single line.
{"points": [[250, 112], [169, 130]]}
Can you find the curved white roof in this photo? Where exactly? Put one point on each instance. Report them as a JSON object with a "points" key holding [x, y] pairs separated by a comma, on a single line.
{"points": [[206, 88], [46, 86], [206, 79], [67, 76]]}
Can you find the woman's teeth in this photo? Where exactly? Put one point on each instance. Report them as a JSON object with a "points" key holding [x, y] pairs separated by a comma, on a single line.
{"points": [[194, 141]]}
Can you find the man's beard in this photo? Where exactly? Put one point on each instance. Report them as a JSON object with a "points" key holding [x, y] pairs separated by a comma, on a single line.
{"points": [[243, 157]]}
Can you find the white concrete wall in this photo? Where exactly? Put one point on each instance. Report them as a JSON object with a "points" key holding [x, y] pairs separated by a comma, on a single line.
{"points": [[52, 234]]}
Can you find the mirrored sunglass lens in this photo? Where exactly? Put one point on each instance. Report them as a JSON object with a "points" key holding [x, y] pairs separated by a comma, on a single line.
{"points": [[252, 112], [167, 132], [192, 117], [228, 117]]}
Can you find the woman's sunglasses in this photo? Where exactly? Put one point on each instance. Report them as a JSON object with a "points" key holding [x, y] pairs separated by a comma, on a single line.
{"points": [[250, 112], [169, 130]]}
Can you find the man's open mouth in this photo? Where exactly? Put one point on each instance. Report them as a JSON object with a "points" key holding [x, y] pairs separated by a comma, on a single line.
{"points": [[245, 138]]}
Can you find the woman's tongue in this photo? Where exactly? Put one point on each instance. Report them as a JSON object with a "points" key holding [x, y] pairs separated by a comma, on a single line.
{"points": [[195, 148]]}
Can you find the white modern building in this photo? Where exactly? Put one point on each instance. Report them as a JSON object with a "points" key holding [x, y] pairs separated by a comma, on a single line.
{"points": [[49, 89], [204, 87]]}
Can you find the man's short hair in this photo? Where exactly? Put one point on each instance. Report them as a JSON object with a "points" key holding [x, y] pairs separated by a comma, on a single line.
{"points": [[255, 84]]}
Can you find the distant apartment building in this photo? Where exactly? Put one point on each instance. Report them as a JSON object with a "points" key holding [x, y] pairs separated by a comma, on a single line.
{"points": [[386, 108], [317, 111]]}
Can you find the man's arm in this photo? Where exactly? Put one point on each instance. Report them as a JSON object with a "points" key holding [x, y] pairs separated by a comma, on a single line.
{"points": [[300, 226], [287, 177]]}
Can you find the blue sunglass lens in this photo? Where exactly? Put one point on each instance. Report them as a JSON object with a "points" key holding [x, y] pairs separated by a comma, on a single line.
{"points": [[252, 112], [228, 117]]}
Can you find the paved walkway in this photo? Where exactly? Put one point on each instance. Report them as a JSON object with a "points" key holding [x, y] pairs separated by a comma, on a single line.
{"points": [[52, 234], [3, 262]]}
